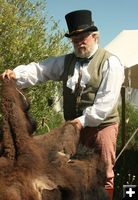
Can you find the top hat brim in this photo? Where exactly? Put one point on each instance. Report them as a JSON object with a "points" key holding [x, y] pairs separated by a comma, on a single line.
{"points": [[77, 32]]}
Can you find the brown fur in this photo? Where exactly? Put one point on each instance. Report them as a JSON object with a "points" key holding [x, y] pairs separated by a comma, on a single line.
{"points": [[41, 167]]}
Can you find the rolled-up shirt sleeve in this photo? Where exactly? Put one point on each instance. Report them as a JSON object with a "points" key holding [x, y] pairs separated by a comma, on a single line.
{"points": [[107, 95], [33, 73]]}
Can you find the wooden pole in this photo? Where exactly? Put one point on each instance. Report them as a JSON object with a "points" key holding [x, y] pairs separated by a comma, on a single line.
{"points": [[123, 95]]}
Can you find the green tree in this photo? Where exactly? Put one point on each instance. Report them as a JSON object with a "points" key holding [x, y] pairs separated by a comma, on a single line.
{"points": [[131, 126], [28, 34]]}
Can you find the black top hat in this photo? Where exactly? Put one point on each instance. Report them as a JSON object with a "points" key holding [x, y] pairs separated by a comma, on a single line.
{"points": [[79, 21]]}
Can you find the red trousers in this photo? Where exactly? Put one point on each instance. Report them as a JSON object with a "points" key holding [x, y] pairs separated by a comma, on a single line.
{"points": [[104, 140]]}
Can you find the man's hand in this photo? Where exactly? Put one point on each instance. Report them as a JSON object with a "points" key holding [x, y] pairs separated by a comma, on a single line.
{"points": [[78, 123], [8, 74]]}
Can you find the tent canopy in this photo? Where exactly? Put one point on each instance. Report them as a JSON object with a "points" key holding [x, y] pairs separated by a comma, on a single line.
{"points": [[125, 46]]}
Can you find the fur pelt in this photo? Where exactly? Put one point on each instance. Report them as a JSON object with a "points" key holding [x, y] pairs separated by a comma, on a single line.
{"points": [[43, 167]]}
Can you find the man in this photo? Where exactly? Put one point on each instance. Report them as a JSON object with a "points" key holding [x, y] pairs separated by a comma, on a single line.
{"points": [[92, 79]]}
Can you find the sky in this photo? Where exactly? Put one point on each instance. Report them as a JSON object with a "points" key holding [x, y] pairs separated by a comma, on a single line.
{"points": [[110, 16]]}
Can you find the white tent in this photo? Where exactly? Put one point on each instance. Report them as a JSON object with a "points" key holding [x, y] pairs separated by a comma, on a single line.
{"points": [[125, 46]]}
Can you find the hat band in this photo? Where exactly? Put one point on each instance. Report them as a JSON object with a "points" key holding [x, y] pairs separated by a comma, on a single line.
{"points": [[80, 28]]}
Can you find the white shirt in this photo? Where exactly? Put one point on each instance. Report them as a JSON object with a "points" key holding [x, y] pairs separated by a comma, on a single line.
{"points": [[52, 69]]}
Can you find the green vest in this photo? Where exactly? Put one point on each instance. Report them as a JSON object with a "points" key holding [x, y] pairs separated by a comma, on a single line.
{"points": [[73, 108]]}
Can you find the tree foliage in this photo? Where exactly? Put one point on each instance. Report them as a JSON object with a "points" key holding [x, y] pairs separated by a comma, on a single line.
{"points": [[28, 34], [131, 126]]}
